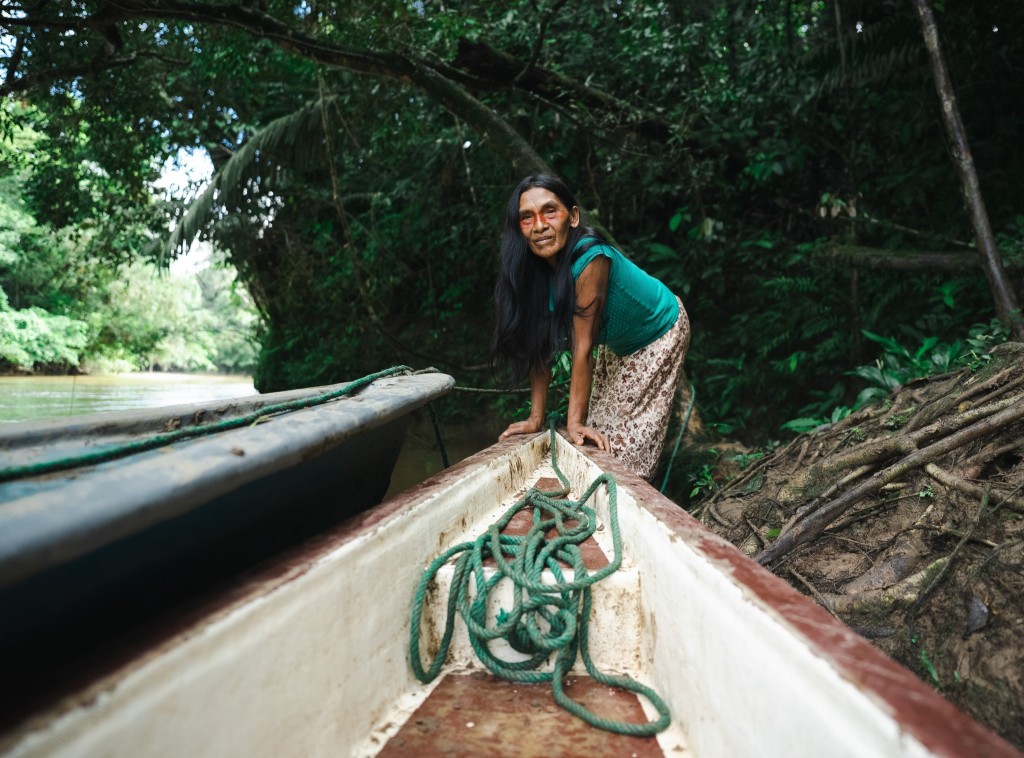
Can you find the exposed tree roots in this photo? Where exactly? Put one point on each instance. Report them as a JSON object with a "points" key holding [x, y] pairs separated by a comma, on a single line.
{"points": [[908, 523]]}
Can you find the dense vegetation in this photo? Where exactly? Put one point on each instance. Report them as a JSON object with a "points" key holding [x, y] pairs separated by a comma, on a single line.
{"points": [[781, 164], [68, 303]]}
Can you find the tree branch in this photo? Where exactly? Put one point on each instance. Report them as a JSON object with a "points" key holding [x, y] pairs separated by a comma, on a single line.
{"points": [[816, 522], [15, 59], [539, 42], [868, 257], [495, 70], [407, 69], [971, 490]]}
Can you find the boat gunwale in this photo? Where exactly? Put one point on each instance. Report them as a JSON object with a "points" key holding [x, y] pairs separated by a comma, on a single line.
{"points": [[141, 420], [89, 680]]}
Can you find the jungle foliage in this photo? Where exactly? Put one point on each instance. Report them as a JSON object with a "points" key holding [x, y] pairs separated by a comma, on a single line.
{"points": [[737, 149], [75, 292]]}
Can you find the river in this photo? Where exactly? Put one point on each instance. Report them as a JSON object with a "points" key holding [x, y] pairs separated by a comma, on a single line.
{"points": [[28, 398]]}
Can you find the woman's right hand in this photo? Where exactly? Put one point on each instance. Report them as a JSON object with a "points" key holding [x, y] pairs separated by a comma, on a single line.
{"points": [[530, 426]]}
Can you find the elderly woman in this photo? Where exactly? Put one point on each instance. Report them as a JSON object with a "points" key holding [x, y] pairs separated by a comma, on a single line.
{"points": [[563, 286]]}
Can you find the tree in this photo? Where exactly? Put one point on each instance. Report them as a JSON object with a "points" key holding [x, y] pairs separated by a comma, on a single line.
{"points": [[103, 42], [1007, 305]]}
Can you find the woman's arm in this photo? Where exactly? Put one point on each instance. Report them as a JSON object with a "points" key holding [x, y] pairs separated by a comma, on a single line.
{"points": [[539, 381], [591, 291]]}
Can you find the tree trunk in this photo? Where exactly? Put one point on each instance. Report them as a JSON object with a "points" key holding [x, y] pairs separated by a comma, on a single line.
{"points": [[1007, 307]]}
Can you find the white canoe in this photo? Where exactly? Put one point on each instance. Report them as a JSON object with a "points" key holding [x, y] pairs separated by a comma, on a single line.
{"points": [[308, 655]]}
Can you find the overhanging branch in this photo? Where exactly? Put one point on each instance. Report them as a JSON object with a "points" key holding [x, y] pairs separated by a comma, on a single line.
{"points": [[400, 67]]}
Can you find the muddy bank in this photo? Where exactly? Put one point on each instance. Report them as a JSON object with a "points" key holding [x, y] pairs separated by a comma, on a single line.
{"points": [[906, 521]]}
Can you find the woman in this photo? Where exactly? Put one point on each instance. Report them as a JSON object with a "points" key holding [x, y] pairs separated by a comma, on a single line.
{"points": [[562, 286]]}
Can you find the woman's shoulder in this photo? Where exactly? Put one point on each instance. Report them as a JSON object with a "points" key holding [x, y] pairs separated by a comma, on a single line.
{"points": [[590, 248]]}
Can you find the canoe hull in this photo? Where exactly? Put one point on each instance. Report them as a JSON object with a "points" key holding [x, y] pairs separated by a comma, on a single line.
{"points": [[308, 656], [125, 540]]}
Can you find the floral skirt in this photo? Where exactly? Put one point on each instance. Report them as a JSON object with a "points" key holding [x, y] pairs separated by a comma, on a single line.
{"points": [[632, 398]]}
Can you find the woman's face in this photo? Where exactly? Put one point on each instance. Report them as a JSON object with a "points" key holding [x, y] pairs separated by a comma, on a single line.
{"points": [[545, 222]]}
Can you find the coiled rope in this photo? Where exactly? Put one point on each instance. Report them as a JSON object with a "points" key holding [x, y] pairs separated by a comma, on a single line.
{"points": [[545, 617], [166, 438]]}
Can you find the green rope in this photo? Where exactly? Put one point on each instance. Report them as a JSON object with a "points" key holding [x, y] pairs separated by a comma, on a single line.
{"points": [[679, 437], [160, 440], [506, 391], [492, 391], [545, 617]]}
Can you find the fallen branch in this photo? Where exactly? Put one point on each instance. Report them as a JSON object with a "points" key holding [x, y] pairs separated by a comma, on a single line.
{"points": [[867, 257], [927, 591], [950, 533], [864, 513], [900, 559], [945, 423], [755, 532], [980, 393], [905, 592], [875, 451], [813, 505], [991, 453], [813, 590]]}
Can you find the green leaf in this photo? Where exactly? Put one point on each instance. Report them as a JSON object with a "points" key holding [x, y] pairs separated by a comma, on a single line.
{"points": [[929, 667], [802, 425], [678, 218], [661, 252]]}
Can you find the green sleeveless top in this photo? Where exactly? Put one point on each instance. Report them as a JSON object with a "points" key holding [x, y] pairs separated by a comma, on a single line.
{"points": [[637, 309]]}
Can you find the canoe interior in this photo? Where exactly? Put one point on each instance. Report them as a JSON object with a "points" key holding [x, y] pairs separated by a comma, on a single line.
{"points": [[475, 713], [308, 654]]}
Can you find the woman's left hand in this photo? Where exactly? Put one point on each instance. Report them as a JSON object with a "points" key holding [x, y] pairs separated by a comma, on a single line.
{"points": [[579, 434]]}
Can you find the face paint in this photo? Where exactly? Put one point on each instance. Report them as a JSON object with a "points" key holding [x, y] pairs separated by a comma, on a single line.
{"points": [[550, 215], [545, 222]]}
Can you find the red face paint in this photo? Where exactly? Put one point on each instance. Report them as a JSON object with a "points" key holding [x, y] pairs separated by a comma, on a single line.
{"points": [[550, 215], [545, 222]]}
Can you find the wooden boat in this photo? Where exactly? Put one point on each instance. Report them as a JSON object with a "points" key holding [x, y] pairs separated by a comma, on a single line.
{"points": [[309, 654], [95, 547]]}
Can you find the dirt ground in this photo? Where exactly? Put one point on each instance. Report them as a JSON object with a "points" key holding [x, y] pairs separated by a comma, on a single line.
{"points": [[906, 521]]}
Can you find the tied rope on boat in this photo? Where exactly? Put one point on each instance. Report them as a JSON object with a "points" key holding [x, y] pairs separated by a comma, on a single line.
{"points": [[546, 617], [159, 440]]}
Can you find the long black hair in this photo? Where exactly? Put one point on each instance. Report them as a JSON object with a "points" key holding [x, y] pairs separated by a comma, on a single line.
{"points": [[526, 334]]}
